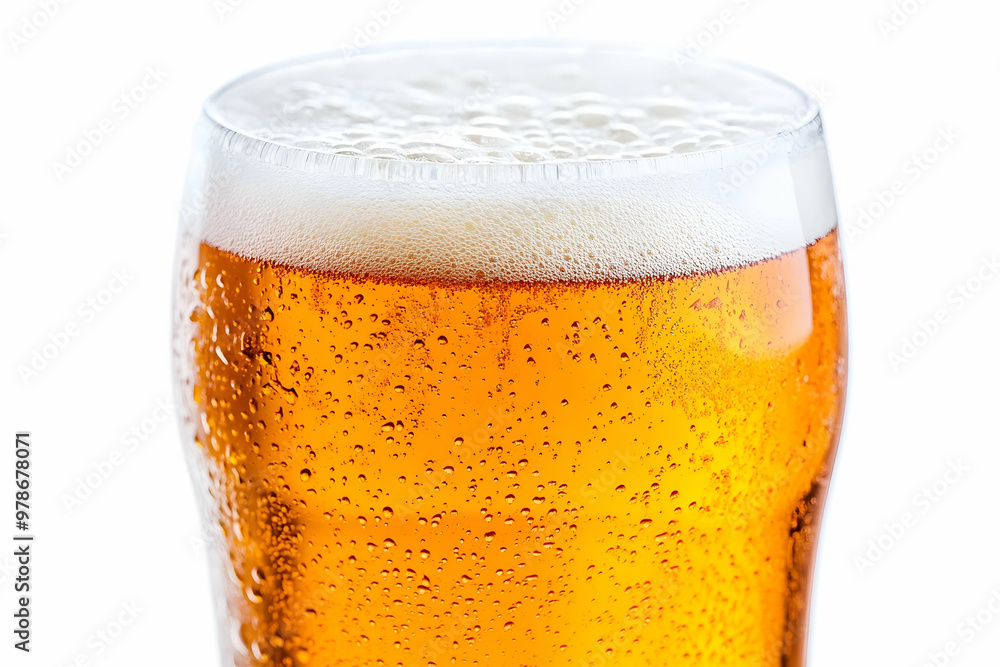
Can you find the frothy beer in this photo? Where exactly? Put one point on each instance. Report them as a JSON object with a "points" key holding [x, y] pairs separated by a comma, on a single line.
{"points": [[510, 383]]}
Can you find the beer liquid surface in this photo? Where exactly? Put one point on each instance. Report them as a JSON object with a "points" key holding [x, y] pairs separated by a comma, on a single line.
{"points": [[515, 473]]}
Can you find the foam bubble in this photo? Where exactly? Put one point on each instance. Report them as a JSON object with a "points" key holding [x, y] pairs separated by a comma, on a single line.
{"points": [[518, 106], [532, 164]]}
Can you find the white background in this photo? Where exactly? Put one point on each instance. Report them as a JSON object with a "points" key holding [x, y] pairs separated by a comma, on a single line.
{"points": [[136, 538]]}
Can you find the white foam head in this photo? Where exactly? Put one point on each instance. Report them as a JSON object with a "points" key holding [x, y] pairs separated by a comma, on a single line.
{"points": [[510, 163]]}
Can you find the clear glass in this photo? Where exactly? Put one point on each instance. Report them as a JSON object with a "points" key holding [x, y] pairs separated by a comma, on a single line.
{"points": [[510, 354]]}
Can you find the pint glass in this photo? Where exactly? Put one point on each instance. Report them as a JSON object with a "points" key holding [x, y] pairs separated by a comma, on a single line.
{"points": [[510, 355]]}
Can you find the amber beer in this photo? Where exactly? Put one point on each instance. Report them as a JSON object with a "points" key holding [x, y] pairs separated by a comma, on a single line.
{"points": [[524, 473], [457, 395]]}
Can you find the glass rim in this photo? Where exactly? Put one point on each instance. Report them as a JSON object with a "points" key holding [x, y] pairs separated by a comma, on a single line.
{"points": [[807, 122]]}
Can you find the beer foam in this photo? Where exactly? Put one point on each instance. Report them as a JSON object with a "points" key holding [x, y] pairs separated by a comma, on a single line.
{"points": [[514, 163]]}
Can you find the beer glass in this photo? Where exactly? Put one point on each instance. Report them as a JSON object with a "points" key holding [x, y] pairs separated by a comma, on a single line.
{"points": [[510, 354]]}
